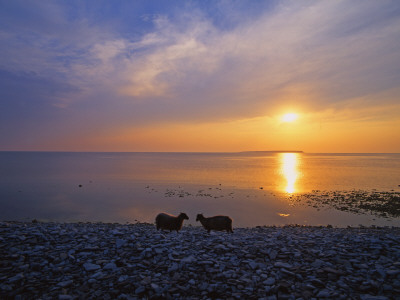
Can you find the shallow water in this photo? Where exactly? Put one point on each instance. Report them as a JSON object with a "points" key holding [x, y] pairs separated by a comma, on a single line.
{"points": [[255, 188]]}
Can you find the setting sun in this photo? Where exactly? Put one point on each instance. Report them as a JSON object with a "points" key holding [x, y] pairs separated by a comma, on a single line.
{"points": [[289, 117]]}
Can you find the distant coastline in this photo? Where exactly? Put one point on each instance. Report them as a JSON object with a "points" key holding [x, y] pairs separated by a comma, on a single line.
{"points": [[278, 151], [157, 152]]}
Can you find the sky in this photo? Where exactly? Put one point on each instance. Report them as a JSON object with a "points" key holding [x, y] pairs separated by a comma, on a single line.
{"points": [[200, 75]]}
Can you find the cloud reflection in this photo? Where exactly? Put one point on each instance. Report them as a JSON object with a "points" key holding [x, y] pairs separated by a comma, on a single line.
{"points": [[289, 169]]}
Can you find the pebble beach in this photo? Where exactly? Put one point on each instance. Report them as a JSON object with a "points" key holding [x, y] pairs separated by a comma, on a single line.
{"points": [[135, 261]]}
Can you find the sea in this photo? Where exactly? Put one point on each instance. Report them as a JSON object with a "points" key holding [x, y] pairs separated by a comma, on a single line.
{"points": [[254, 188]]}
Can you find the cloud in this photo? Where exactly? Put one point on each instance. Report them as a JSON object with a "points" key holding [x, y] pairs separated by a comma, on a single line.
{"points": [[315, 53], [196, 64]]}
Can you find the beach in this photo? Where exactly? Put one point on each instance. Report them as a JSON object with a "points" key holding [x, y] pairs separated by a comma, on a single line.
{"points": [[135, 261]]}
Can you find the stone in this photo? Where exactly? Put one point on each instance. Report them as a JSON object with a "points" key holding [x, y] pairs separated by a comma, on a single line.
{"points": [[123, 278], [253, 265], [120, 242], [91, 267], [290, 262], [269, 281], [140, 290], [174, 267], [283, 265], [64, 255], [392, 272], [15, 278], [65, 283], [110, 266], [189, 259], [324, 294]]}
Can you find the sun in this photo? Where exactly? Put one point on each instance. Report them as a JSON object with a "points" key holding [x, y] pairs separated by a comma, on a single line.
{"points": [[289, 117]]}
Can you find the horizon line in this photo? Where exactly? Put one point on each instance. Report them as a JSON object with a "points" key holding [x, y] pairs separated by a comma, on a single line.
{"points": [[198, 152]]}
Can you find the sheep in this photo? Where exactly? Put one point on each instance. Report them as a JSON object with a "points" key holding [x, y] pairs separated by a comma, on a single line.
{"points": [[170, 222], [216, 223]]}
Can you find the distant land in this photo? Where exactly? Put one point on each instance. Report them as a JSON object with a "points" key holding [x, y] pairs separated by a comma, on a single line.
{"points": [[279, 151], [174, 152]]}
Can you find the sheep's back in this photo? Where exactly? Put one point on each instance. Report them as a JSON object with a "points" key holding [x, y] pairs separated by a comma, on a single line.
{"points": [[166, 221], [219, 222]]}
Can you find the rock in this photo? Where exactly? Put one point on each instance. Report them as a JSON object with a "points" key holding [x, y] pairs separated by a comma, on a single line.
{"points": [[120, 242], [16, 278], [391, 272], [272, 254], [283, 265], [269, 281], [146, 280], [140, 290], [371, 297], [317, 283], [174, 267], [97, 275], [288, 262], [110, 266], [189, 259], [91, 267], [65, 283], [154, 286], [317, 263], [324, 294], [253, 265], [123, 278]]}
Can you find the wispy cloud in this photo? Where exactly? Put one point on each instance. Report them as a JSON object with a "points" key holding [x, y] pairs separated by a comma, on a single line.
{"points": [[320, 54]]}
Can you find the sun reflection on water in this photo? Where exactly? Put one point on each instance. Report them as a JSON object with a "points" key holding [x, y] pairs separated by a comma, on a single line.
{"points": [[289, 170]]}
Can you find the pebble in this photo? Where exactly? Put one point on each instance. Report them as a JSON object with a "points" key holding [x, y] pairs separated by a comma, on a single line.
{"points": [[91, 267], [135, 261], [110, 266]]}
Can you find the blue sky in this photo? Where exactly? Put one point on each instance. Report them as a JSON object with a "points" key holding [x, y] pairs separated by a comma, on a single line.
{"points": [[152, 75]]}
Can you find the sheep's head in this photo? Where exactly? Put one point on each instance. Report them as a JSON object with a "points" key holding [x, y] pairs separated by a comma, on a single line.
{"points": [[183, 216], [199, 217]]}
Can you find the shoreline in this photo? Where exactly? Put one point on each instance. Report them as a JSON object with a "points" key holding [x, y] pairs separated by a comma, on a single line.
{"points": [[135, 261], [197, 226]]}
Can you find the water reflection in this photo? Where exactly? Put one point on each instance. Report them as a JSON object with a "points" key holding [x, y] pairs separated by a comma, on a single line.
{"points": [[289, 169]]}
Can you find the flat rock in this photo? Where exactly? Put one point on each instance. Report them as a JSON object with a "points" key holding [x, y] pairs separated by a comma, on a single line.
{"points": [[91, 267]]}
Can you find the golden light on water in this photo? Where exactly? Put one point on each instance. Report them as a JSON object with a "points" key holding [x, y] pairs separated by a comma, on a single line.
{"points": [[289, 170]]}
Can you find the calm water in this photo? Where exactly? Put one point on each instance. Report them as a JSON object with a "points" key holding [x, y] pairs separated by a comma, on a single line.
{"points": [[253, 188]]}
